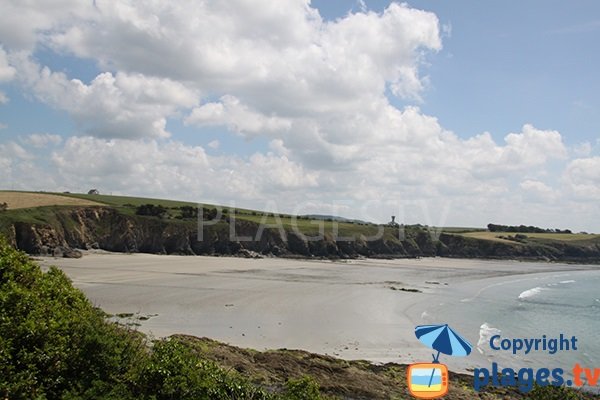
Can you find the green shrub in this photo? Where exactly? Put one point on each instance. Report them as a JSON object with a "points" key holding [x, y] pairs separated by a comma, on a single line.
{"points": [[173, 371], [552, 393], [53, 341], [305, 388], [55, 345], [151, 210], [188, 212]]}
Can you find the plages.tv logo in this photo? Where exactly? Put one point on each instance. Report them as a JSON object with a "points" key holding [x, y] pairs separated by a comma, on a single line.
{"points": [[430, 380]]}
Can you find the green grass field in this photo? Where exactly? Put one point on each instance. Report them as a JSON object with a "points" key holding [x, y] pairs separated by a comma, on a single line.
{"points": [[128, 205]]}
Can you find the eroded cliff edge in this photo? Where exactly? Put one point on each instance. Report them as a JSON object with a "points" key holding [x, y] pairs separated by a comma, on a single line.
{"points": [[71, 228]]}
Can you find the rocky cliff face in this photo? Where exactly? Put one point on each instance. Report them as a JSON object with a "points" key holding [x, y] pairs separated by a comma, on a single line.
{"points": [[107, 229]]}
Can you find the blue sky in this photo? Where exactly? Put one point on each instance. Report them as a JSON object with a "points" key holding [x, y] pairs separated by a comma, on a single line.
{"points": [[506, 63], [460, 113]]}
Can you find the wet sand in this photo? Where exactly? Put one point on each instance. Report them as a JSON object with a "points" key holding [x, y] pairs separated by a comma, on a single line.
{"points": [[357, 309]]}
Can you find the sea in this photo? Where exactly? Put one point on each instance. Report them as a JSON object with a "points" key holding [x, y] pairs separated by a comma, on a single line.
{"points": [[536, 306]]}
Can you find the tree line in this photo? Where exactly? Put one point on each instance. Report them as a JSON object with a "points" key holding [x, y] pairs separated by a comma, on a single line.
{"points": [[524, 229]]}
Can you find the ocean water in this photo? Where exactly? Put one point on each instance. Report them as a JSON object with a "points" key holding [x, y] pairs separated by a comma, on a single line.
{"points": [[531, 306]]}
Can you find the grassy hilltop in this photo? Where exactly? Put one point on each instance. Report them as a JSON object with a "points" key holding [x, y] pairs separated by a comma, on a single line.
{"points": [[57, 223]]}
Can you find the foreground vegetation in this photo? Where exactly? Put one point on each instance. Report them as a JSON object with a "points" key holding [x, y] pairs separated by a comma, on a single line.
{"points": [[55, 345]]}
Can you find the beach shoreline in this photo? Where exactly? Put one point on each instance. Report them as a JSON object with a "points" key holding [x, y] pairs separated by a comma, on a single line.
{"points": [[351, 309]]}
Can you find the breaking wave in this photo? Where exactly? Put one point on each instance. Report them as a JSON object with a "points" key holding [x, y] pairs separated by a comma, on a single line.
{"points": [[530, 293]]}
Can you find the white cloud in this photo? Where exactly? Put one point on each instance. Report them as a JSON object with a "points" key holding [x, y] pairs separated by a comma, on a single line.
{"points": [[582, 176], [269, 62], [538, 191], [121, 105], [41, 140], [315, 90], [7, 72], [582, 149], [280, 173], [170, 168], [23, 24], [13, 149], [21, 169], [276, 55], [236, 116], [534, 145]]}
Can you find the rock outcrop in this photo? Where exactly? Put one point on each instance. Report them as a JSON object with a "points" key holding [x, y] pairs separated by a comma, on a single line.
{"points": [[108, 229]]}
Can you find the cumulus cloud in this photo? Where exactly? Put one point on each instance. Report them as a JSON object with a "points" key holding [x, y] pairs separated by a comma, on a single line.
{"points": [[237, 117], [537, 190], [279, 54], [7, 72], [22, 25], [21, 169], [534, 145], [120, 105], [267, 61], [582, 176], [41, 140], [15, 150], [171, 167], [318, 92]]}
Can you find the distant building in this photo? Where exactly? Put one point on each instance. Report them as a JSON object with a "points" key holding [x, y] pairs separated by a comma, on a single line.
{"points": [[94, 191], [393, 221]]}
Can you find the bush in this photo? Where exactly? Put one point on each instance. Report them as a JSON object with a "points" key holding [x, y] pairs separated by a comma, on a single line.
{"points": [[53, 341], [151, 210], [189, 212], [305, 388], [3, 206], [552, 393], [55, 345], [173, 371]]}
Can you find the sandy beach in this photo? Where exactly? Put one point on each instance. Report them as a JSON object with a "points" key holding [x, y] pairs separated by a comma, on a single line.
{"points": [[355, 309]]}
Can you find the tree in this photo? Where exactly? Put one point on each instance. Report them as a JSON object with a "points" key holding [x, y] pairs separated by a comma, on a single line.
{"points": [[151, 210], [189, 212]]}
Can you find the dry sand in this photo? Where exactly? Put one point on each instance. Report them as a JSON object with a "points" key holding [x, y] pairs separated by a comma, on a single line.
{"points": [[354, 310]]}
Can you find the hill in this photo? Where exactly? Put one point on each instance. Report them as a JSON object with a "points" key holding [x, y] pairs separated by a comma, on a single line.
{"points": [[131, 224], [16, 200]]}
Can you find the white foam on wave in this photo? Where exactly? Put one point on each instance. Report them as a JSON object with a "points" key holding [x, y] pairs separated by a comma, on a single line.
{"points": [[569, 281], [530, 293], [486, 331]]}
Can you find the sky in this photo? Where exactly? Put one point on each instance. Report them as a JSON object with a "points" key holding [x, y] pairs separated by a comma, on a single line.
{"points": [[454, 113]]}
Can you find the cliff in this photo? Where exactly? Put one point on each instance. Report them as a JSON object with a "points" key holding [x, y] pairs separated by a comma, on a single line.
{"points": [[62, 230]]}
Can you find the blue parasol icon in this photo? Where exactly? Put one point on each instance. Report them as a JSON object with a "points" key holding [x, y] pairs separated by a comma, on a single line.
{"points": [[443, 339]]}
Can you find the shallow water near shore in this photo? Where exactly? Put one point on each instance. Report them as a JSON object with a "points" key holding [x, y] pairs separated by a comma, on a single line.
{"points": [[356, 309], [538, 306]]}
